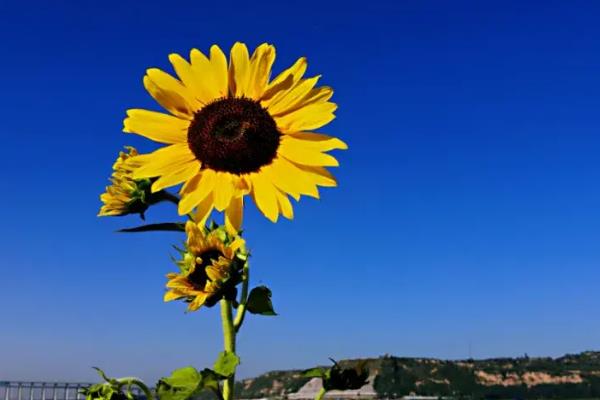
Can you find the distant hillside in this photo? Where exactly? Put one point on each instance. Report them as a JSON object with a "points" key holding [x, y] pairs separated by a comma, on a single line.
{"points": [[571, 376]]}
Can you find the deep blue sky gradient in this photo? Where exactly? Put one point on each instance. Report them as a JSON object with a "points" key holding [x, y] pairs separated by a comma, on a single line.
{"points": [[467, 215]]}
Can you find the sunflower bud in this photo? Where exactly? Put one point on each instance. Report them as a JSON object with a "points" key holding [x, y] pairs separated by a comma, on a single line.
{"points": [[211, 267], [126, 195]]}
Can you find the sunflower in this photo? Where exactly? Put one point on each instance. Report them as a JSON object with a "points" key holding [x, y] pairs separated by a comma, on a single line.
{"points": [[232, 131], [125, 195], [211, 267]]}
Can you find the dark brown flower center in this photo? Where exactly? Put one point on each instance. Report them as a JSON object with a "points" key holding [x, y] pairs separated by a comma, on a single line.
{"points": [[198, 278], [235, 135]]}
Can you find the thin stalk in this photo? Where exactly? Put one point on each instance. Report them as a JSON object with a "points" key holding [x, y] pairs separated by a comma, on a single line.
{"points": [[321, 393], [228, 344], [163, 195], [241, 309], [138, 383]]}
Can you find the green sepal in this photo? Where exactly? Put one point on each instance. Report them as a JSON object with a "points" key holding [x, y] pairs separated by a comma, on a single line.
{"points": [[212, 225], [226, 363], [259, 301], [164, 227]]}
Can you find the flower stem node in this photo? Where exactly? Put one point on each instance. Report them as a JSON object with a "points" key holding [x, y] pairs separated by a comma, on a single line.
{"points": [[211, 266]]}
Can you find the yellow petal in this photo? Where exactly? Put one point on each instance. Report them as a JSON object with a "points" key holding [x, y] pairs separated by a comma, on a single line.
{"points": [[285, 80], [315, 96], [260, 70], [156, 126], [163, 160], [189, 199], [176, 177], [201, 69], [191, 184], [239, 64], [234, 214], [295, 151], [198, 58], [197, 302], [218, 61], [317, 141], [287, 100], [193, 232], [223, 190], [170, 93], [179, 283], [214, 273], [290, 179], [191, 79], [284, 205], [204, 209], [318, 175], [172, 295], [306, 118], [264, 196]]}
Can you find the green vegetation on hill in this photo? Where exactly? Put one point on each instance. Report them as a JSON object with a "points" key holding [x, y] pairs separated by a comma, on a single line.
{"points": [[570, 376], [271, 384]]}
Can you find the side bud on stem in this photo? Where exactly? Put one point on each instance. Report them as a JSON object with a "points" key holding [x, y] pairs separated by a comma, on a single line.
{"points": [[126, 195]]}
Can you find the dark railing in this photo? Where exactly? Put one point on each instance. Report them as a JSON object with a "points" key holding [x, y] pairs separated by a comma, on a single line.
{"points": [[14, 390]]}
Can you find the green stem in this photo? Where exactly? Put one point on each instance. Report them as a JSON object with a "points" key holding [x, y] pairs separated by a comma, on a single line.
{"points": [[241, 309], [320, 395], [138, 383], [163, 195], [228, 344]]}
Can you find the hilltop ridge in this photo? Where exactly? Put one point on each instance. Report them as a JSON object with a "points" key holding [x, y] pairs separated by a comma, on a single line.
{"points": [[569, 376]]}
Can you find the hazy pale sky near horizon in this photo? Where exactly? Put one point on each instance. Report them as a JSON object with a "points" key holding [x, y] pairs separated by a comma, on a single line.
{"points": [[468, 207]]}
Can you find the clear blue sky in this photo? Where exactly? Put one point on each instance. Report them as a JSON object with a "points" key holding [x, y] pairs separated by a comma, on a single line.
{"points": [[468, 209]]}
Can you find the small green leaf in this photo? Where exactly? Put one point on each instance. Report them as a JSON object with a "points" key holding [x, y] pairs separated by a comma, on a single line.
{"points": [[259, 301], [181, 385], [165, 226], [226, 363]]}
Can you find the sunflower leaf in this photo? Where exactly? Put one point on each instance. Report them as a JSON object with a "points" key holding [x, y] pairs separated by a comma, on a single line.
{"points": [[181, 385], [226, 363], [259, 301], [210, 381], [186, 383], [165, 226]]}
